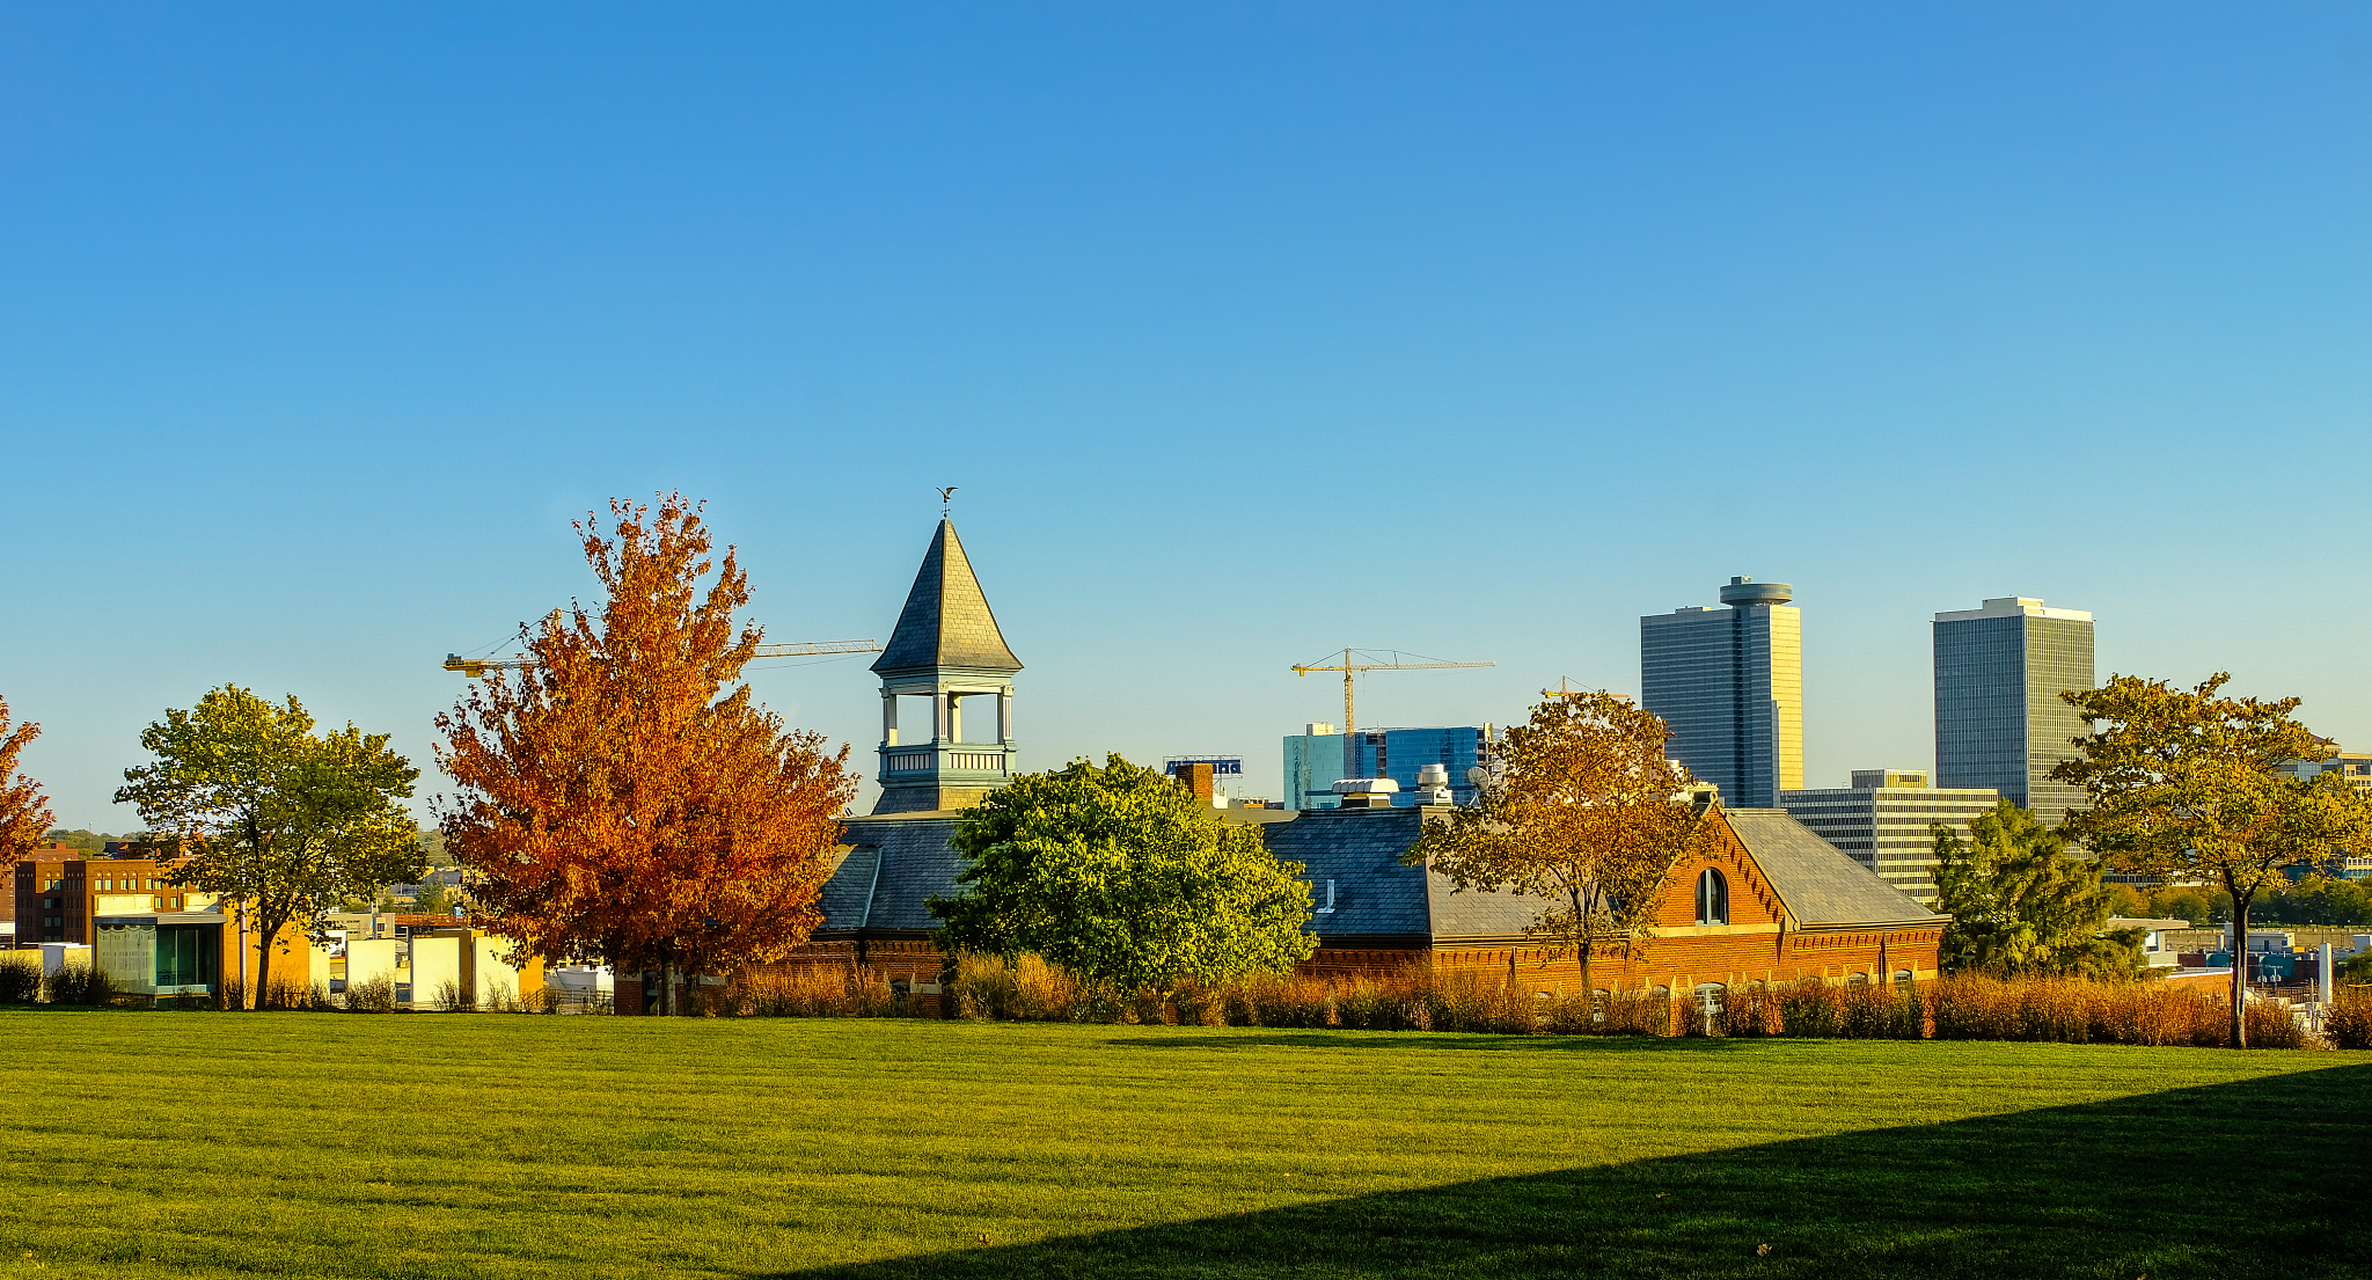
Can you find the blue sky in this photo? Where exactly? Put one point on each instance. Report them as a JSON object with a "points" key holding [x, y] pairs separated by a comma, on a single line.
{"points": [[1247, 333]]}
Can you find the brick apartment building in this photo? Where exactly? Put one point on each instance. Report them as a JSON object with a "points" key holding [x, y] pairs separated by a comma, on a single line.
{"points": [[61, 891], [153, 936]]}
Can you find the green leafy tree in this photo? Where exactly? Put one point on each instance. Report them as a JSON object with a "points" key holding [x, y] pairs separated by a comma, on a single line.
{"points": [[1588, 815], [1122, 875], [88, 841], [2020, 906], [2186, 785], [2355, 971], [432, 901], [282, 823], [2335, 903], [2185, 904]]}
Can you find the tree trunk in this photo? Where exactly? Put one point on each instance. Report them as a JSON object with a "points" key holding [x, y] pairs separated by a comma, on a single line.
{"points": [[263, 966], [1589, 990], [2239, 967], [241, 1007]]}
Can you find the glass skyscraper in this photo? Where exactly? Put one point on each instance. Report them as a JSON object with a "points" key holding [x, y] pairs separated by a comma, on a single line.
{"points": [[1314, 760], [1730, 683], [1999, 722]]}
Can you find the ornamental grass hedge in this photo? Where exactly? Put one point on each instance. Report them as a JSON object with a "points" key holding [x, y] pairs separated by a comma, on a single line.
{"points": [[1418, 998]]}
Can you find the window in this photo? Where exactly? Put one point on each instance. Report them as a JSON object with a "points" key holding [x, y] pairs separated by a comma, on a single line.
{"points": [[1857, 979], [1902, 977], [1713, 898]]}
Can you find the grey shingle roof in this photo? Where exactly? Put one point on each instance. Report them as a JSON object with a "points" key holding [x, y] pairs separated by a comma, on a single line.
{"points": [[1465, 915], [1375, 896], [1820, 884], [848, 895], [1359, 850], [893, 868], [946, 621]]}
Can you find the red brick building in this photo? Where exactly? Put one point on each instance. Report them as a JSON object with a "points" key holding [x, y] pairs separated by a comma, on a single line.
{"points": [[1775, 903]]}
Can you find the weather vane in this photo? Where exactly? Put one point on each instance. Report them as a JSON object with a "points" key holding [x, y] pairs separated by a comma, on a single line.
{"points": [[946, 501]]}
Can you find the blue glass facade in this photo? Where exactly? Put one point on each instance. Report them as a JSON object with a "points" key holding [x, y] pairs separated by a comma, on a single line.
{"points": [[1314, 762]]}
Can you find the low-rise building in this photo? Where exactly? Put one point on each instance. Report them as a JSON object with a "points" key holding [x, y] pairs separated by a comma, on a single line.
{"points": [[2159, 950], [1774, 904]]}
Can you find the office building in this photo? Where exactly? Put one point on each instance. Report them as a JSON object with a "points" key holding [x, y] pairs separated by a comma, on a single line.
{"points": [[2355, 766], [1881, 822], [1313, 763], [1999, 720], [1730, 683]]}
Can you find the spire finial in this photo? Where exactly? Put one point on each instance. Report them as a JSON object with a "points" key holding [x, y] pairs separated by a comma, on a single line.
{"points": [[946, 501]]}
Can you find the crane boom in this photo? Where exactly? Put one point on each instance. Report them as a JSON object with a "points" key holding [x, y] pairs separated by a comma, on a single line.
{"points": [[1350, 670], [804, 649]]}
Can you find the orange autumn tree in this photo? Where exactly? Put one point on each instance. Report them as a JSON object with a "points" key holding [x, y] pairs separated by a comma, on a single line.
{"points": [[622, 797], [24, 812]]}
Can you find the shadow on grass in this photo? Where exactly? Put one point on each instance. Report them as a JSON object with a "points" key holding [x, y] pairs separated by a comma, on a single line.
{"points": [[2261, 1178]]}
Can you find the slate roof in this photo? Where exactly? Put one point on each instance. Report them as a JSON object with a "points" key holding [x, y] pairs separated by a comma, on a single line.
{"points": [[946, 621], [1820, 884], [895, 864], [893, 867], [1375, 896], [1358, 849]]}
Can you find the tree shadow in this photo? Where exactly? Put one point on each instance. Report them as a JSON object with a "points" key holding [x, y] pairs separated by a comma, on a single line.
{"points": [[2261, 1178]]}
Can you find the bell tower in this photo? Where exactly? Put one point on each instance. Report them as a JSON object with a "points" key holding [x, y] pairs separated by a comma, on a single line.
{"points": [[946, 649]]}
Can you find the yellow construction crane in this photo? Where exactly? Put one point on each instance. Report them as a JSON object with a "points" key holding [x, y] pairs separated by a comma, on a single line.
{"points": [[480, 666], [1350, 670]]}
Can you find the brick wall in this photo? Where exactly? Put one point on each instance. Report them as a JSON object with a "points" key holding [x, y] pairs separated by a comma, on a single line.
{"points": [[1752, 947]]}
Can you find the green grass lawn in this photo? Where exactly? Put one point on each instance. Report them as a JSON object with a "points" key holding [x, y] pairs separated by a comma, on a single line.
{"points": [[461, 1145]]}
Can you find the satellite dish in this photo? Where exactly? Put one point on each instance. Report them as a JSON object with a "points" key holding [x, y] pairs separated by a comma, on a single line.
{"points": [[1478, 777]]}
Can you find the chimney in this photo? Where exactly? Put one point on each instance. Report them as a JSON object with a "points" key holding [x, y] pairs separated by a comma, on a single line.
{"points": [[1197, 778]]}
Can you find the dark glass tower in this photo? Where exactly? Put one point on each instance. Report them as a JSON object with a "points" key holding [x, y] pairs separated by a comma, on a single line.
{"points": [[1999, 721]]}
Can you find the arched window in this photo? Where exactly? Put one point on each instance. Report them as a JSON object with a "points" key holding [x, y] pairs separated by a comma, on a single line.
{"points": [[1902, 977], [1713, 898], [1857, 979]]}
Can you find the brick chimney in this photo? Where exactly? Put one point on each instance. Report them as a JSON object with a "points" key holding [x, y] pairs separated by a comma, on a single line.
{"points": [[1197, 778]]}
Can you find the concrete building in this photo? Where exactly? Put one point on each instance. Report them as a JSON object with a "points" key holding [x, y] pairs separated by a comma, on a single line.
{"points": [[1999, 721], [1730, 683], [1881, 821], [2355, 766], [1398, 754]]}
